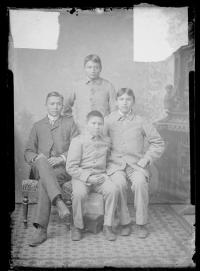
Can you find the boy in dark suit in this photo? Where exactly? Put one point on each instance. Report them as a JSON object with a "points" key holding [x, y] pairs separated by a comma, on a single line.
{"points": [[46, 152]]}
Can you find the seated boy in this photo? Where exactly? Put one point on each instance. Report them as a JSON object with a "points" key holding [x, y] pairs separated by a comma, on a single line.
{"points": [[46, 152], [86, 163], [91, 93], [129, 160]]}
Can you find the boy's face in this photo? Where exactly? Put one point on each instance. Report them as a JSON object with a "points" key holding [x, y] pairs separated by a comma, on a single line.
{"points": [[95, 126], [92, 70], [54, 106], [125, 103]]}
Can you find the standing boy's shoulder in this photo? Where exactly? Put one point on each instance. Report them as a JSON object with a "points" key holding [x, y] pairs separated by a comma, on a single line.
{"points": [[141, 119], [67, 119], [112, 116], [106, 82]]}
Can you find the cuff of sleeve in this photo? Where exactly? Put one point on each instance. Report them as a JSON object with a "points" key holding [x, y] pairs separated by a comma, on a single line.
{"points": [[84, 176], [33, 159], [63, 157], [149, 160], [144, 161]]}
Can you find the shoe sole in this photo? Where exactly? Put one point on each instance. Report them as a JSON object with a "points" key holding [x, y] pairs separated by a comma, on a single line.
{"points": [[35, 245], [143, 236], [111, 239], [75, 239], [125, 234]]}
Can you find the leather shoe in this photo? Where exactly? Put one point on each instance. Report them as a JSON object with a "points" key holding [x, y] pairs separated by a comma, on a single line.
{"points": [[109, 234], [39, 237], [76, 234], [142, 231], [125, 230], [63, 211]]}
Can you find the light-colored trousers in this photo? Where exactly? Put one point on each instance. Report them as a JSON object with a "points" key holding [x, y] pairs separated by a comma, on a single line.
{"points": [[79, 195], [140, 188]]}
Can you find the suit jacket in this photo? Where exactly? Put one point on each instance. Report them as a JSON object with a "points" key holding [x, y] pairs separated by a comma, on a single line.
{"points": [[50, 140]]}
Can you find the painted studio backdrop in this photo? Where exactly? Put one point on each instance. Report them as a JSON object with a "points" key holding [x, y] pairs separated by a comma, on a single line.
{"points": [[55, 61]]}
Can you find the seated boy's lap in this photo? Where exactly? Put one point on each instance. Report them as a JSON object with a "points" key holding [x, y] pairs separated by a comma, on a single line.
{"points": [[59, 171], [82, 189]]}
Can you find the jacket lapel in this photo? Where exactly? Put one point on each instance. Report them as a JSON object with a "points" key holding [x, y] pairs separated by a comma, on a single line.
{"points": [[56, 123], [47, 123]]}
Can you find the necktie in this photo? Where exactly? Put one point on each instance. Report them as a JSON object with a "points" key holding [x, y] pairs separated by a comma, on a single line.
{"points": [[52, 122]]}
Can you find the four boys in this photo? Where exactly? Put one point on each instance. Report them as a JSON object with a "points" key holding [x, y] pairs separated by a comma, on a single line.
{"points": [[96, 162]]}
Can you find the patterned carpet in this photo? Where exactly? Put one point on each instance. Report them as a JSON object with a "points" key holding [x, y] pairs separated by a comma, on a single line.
{"points": [[168, 245]]}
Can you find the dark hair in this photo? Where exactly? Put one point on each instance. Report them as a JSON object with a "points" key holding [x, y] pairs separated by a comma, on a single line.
{"points": [[93, 58], [55, 94], [128, 91], [94, 113]]}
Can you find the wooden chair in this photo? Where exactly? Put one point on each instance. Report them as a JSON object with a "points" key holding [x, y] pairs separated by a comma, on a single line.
{"points": [[31, 186], [93, 208]]}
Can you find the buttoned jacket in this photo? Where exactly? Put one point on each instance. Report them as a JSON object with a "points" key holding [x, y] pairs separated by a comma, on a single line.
{"points": [[88, 95], [128, 137], [87, 156]]}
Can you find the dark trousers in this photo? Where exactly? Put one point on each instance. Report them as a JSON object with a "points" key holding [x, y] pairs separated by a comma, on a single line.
{"points": [[50, 182]]}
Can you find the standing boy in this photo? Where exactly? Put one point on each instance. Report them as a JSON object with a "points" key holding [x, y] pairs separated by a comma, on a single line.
{"points": [[92, 93], [46, 152], [128, 159], [86, 163]]}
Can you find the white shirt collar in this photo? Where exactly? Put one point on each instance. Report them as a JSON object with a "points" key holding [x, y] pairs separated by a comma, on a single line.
{"points": [[90, 136], [96, 80], [126, 115], [51, 118]]}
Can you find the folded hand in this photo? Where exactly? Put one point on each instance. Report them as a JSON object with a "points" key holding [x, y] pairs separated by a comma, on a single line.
{"points": [[96, 179], [54, 161]]}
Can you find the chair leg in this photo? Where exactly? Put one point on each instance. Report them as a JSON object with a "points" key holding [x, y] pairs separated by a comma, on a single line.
{"points": [[69, 220], [25, 211]]}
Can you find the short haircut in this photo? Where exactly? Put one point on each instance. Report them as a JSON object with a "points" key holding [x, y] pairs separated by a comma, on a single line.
{"points": [[94, 113], [93, 58], [128, 91], [54, 94]]}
